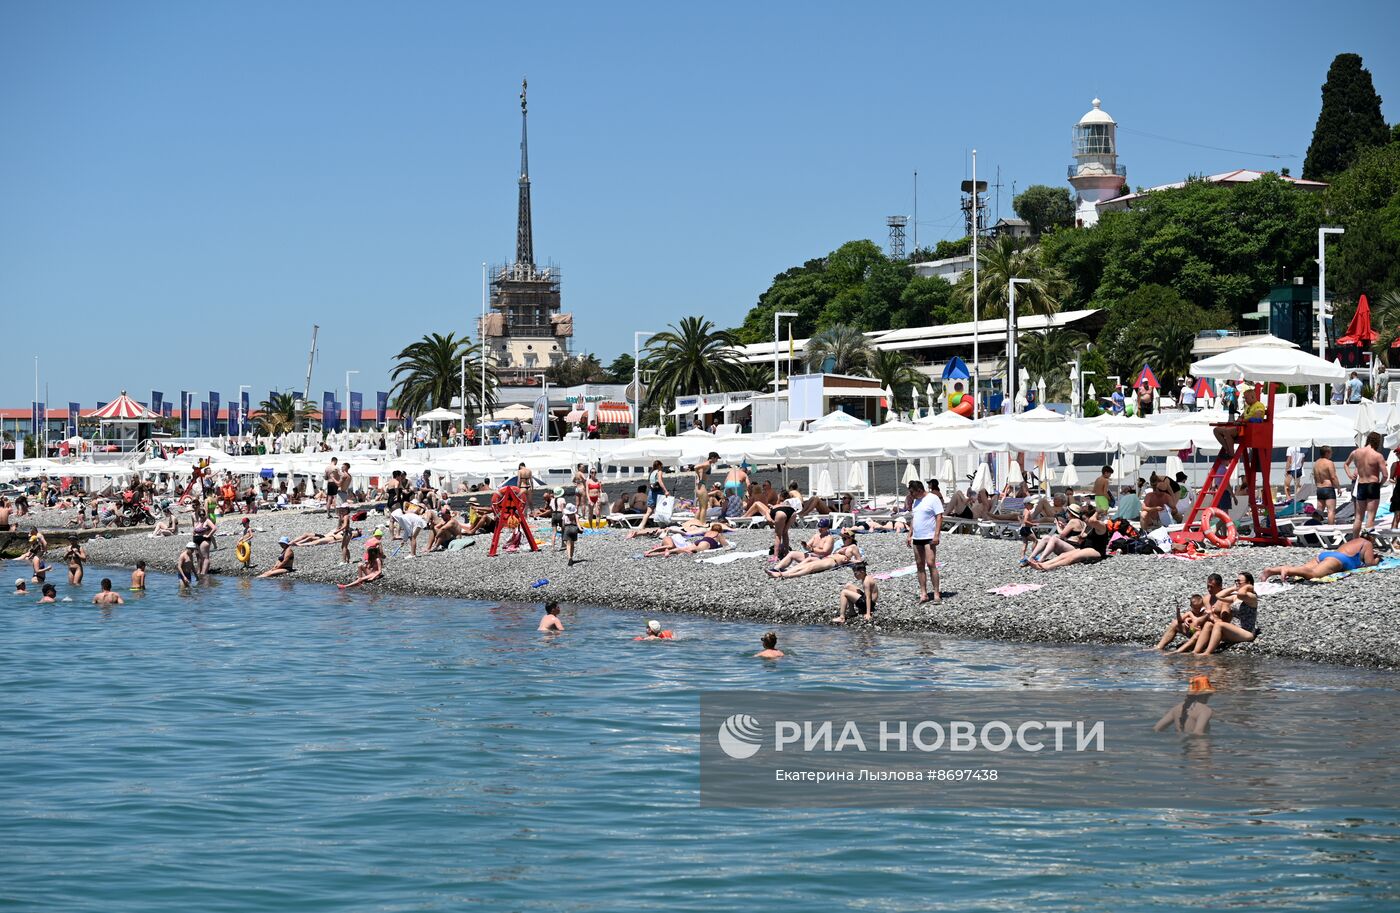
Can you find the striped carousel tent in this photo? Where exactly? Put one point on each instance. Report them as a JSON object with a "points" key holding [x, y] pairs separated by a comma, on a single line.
{"points": [[123, 409]]}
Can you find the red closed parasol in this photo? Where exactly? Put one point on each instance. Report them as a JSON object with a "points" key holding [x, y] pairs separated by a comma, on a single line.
{"points": [[1359, 331]]}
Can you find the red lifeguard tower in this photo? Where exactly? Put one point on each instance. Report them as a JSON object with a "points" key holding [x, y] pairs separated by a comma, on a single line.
{"points": [[508, 505], [1267, 361]]}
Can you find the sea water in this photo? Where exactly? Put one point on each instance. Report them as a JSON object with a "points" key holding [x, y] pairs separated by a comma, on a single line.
{"points": [[265, 745]]}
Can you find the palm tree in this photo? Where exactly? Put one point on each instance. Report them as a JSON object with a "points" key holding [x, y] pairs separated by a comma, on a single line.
{"points": [[428, 375], [283, 412], [842, 345], [896, 372], [757, 376], [691, 357], [1048, 355], [997, 264], [1169, 353]]}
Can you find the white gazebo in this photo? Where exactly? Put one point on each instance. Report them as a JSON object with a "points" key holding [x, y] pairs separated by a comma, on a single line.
{"points": [[125, 422]]}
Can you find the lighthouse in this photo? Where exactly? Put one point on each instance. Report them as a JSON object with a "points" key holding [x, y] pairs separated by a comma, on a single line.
{"points": [[1095, 174]]}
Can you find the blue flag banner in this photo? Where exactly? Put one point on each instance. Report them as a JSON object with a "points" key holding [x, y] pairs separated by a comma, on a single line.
{"points": [[328, 412], [167, 410], [36, 419], [357, 410], [157, 401], [185, 412], [213, 413], [73, 409], [243, 411], [381, 408], [204, 420]]}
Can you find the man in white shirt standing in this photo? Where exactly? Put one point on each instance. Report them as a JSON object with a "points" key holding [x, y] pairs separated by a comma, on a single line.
{"points": [[925, 529], [1293, 477]]}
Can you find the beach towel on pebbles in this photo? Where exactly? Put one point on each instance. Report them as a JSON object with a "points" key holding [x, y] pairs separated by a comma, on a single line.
{"points": [[1012, 590], [731, 556], [898, 572]]}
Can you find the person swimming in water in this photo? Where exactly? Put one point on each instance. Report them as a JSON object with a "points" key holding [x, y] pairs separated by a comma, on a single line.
{"points": [[770, 647], [550, 623], [106, 596], [138, 576], [48, 594], [654, 632]]}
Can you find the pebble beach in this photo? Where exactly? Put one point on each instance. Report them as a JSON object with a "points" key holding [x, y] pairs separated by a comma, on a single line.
{"points": [[1126, 599]]}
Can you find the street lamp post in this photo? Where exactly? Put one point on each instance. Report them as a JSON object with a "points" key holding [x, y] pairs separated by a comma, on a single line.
{"points": [[637, 377], [776, 316], [463, 402], [1322, 234], [1012, 378], [544, 386], [976, 348], [481, 340], [347, 399]]}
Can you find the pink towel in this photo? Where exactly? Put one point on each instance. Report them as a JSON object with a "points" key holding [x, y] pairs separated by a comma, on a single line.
{"points": [[1016, 589]]}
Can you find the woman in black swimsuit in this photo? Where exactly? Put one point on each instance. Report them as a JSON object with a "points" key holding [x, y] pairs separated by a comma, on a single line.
{"points": [[1093, 544]]}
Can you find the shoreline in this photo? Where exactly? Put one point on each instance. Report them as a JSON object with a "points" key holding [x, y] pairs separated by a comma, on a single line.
{"points": [[1123, 600]]}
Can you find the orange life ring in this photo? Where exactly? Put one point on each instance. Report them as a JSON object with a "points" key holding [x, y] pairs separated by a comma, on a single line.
{"points": [[1231, 534]]}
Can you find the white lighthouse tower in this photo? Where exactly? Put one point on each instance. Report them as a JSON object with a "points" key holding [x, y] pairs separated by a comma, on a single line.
{"points": [[1095, 174]]}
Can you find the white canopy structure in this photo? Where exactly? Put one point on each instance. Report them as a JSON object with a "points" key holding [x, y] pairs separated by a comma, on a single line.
{"points": [[439, 415], [1269, 358]]}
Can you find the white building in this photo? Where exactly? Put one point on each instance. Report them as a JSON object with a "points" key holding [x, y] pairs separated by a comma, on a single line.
{"points": [[1095, 174]]}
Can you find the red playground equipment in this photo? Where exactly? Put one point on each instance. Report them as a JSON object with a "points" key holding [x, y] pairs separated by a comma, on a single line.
{"points": [[1254, 447], [508, 505]]}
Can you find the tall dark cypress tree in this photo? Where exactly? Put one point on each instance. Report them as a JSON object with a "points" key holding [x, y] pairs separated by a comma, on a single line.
{"points": [[1350, 119]]}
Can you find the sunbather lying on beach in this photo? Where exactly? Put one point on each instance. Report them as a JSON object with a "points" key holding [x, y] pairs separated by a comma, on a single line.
{"points": [[1356, 554], [848, 553], [676, 545], [895, 525]]}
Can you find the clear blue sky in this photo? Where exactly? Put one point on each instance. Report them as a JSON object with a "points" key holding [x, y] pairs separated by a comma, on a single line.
{"points": [[186, 187]]}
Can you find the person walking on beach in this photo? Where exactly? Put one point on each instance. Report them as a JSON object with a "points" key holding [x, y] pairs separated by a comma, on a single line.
{"points": [[1293, 472], [702, 491], [656, 489], [1325, 478], [770, 647], [570, 531], [1102, 498], [1369, 470], [550, 623], [925, 532], [332, 478], [105, 596], [525, 481]]}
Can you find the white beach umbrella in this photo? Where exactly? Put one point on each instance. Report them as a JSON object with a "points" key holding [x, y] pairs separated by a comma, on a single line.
{"points": [[1269, 359], [914, 390], [932, 395], [1047, 476], [1070, 478], [948, 473], [824, 487], [1040, 389], [1365, 419], [1174, 465], [1014, 475], [855, 479], [982, 478], [911, 474]]}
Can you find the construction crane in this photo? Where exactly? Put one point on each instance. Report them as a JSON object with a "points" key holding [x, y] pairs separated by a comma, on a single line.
{"points": [[310, 361]]}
